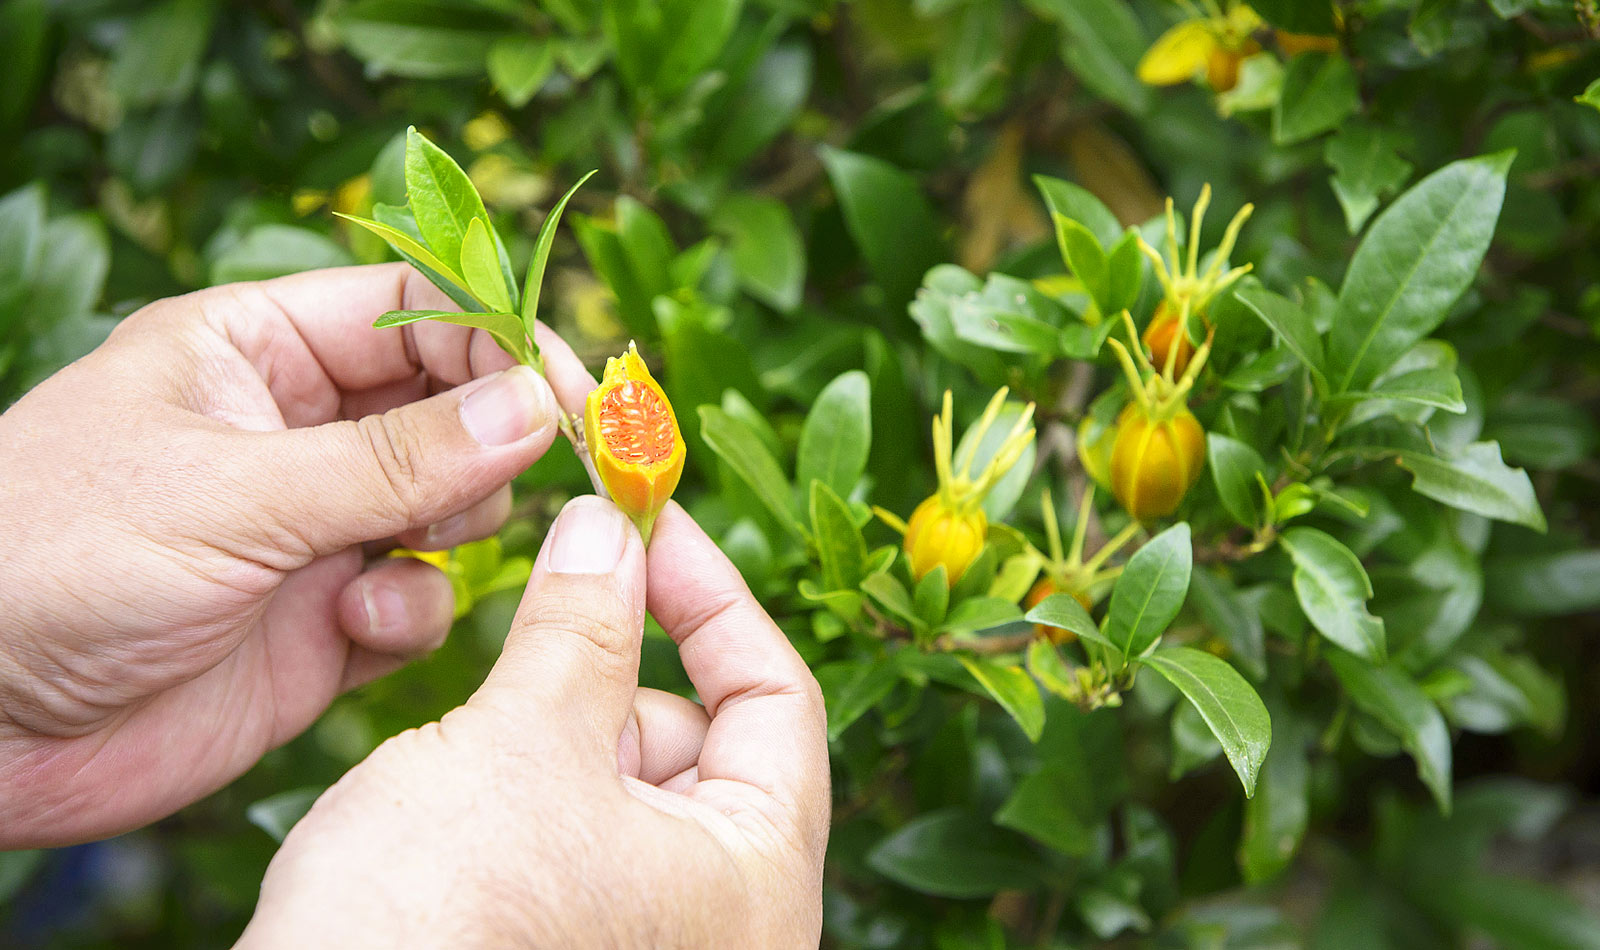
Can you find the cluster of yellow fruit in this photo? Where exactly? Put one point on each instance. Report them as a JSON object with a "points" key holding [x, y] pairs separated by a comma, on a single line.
{"points": [[1149, 459]]}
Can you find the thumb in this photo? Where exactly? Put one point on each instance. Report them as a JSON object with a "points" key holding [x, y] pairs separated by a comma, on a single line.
{"points": [[412, 466], [571, 660]]}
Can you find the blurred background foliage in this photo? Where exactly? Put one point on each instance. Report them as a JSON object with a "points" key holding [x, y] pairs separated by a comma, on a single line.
{"points": [[777, 178]]}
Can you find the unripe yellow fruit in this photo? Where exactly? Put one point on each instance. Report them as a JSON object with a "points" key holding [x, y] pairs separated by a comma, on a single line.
{"points": [[1155, 463], [938, 534]]}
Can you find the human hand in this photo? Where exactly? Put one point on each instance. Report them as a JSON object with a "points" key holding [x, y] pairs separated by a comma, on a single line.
{"points": [[183, 512], [562, 806]]}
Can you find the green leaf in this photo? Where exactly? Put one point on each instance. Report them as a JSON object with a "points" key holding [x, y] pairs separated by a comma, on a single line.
{"points": [[1366, 168], [1226, 702], [1545, 584], [869, 683], [423, 39], [1234, 467], [441, 197], [1013, 689], [1275, 818], [506, 328], [1590, 96], [762, 108], [420, 257], [541, 256], [977, 613], [1150, 592], [1292, 325], [888, 217], [273, 250], [1333, 590], [158, 60], [767, 251], [24, 48], [1517, 912], [1086, 259], [841, 550], [1297, 16], [837, 435], [931, 599], [1386, 694], [1101, 42], [893, 596], [1064, 611], [1476, 479], [1418, 257], [1231, 619], [741, 448], [954, 853], [1319, 92], [1077, 203], [1079, 780], [480, 265], [662, 46], [519, 65], [276, 814], [22, 218], [1432, 386]]}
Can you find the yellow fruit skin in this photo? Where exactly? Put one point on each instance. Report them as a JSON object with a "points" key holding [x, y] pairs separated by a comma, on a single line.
{"points": [[1154, 464], [1163, 334], [938, 535], [639, 489], [1043, 588]]}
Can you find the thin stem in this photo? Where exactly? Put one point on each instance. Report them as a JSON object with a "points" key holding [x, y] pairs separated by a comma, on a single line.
{"points": [[1194, 229], [1052, 528], [1111, 547], [1080, 531]]}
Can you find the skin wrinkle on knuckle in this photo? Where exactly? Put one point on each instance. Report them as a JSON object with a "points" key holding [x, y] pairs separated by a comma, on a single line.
{"points": [[564, 620], [395, 447]]}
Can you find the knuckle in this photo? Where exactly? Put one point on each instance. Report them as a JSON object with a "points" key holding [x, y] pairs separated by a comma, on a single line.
{"points": [[607, 645], [395, 448]]}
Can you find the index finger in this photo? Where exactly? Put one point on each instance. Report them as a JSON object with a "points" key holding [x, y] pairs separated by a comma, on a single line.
{"points": [[312, 338], [768, 728]]}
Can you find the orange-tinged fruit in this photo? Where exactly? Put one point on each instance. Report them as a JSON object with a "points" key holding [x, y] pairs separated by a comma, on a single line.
{"points": [[1155, 462], [633, 438], [938, 534], [1222, 66], [1041, 589], [1164, 334]]}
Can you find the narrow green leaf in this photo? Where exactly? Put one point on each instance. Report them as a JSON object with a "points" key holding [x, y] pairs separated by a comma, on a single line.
{"points": [[1086, 259], [1478, 480], [841, 550], [1333, 590], [504, 327], [1013, 689], [1388, 695], [837, 435], [1150, 591], [480, 265], [541, 256], [931, 599], [1366, 168], [1545, 584], [1292, 325], [869, 683], [741, 448], [1226, 702], [1418, 257], [408, 247]]}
